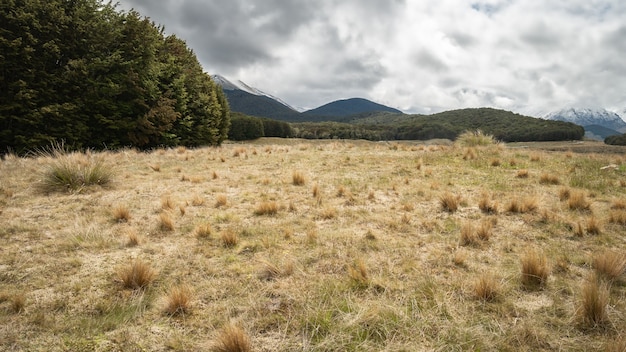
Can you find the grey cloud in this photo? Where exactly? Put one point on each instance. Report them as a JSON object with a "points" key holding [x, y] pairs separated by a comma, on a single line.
{"points": [[429, 61]]}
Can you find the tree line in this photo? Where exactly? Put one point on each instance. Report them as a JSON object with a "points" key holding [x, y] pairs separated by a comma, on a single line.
{"points": [[96, 77]]}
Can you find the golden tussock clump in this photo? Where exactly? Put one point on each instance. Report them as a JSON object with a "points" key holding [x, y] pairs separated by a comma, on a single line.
{"points": [[487, 205], [486, 287], [297, 178], [266, 208], [618, 217], [221, 200], [610, 264], [121, 213], [229, 238], [449, 202], [594, 298], [578, 201], [137, 275], [358, 273], [549, 179], [166, 223], [522, 173], [232, 338], [535, 269], [203, 231], [178, 300]]}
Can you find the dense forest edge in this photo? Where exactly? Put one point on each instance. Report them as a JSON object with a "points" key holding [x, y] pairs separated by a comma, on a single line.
{"points": [[95, 77]]}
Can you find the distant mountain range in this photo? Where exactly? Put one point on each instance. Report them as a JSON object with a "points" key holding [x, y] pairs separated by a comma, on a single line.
{"points": [[254, 102], [598, 123]]}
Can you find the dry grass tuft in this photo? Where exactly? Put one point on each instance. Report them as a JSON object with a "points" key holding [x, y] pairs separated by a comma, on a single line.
{"points": [[137, 275], [297, 179], [578, 201], [178, 300], [535, 157], [618, 204], [460, 258], [486, 288], [564, 193], [341, 191], [121, 213], [468, 235], [594, 227], [270, 271], [232, 338], [266, 208], [617, 345], [470, 154], [484, 231], [487, 205], [155, 167], [549, 179], [495, 162], [593, 303], [610, 264], [449, 202], [167, 203], [618, 217], [229, 238], [166, 222], [197, 201], [522, 173], [528, 204], [358, 274], [133, 239], [535, 269], [203, 231], [475, 139], [221, 200], [328, 213]]}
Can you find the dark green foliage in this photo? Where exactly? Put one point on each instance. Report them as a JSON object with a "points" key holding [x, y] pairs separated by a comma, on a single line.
{"points": [[244, 128], [260, 106], [82, 72], [503, 125], [616, 140], [348, 107]]}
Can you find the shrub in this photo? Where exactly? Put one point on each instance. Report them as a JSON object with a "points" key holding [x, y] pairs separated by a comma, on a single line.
{"points": [[72, 171], [136, 275], [535, 269], [232, 338]]}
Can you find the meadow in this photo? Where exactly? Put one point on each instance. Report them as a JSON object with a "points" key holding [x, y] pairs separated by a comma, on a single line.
{"points": [[294, 245]]}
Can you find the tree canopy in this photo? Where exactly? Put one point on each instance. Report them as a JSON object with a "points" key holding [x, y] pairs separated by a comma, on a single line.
{"points": [[83, 72]]}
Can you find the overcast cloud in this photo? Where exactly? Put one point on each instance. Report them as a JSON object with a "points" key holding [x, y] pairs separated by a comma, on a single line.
{"points": [[420, 56]]}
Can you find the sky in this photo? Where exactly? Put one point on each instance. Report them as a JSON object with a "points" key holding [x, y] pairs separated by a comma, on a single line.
{"points": [[419, 56]]}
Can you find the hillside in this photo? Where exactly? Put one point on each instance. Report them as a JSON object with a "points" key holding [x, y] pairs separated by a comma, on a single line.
{"points": [[259, 106], [348, 107]]}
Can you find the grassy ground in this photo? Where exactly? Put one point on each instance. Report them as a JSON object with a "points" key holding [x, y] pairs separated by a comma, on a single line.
{"points": [[288, 245]]}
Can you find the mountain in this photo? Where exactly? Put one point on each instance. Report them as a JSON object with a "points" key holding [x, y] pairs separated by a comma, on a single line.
{"points": [[588, 117], [598, 132], [239, 85], [347, 107]]}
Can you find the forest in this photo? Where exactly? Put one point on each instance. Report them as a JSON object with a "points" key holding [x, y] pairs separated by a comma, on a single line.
{"points": [[96, 77]]}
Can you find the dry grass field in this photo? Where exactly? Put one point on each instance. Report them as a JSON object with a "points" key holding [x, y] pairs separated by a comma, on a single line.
{"points": [[291, 245]]}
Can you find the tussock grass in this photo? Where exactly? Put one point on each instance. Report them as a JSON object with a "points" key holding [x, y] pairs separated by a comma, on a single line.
{"points": [[594, 298], [468, 235], [133, 239], [221, 200], [358, 274], [475, 139], [203, 231], [594, 226], [73, 172], [549, 179], [618, 204], [178, 300], [166, 222], [266, 208], [137, 275], [121, 213], [487, 205], [578, 201], [535, 269], [610, 264], [522, 173], [232, 338], [527, 204], [229, 238], [486, 287], [449, 202], [618, 217], [298, 179]]}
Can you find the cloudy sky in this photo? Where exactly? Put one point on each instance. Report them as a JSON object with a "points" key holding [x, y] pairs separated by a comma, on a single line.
{"points": [[420, 56]]}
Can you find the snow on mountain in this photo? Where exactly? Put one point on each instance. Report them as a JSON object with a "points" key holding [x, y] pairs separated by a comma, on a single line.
{"points": [[240, 85], [588, 116]]}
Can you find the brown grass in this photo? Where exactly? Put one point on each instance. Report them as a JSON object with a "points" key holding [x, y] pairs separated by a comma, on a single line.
{"points": [[358, 274], [197, 201], [594, 227], [178, 300], [578, 201], [535, 269], [487, 205], [204, 231], [266, 208], [449, 202], [166, 222], [593, 303], [618, 204], [232, 338], [486, 287], [221, 200], [121, 213], [229, 238], [136, 275], [564, 193], [618, 217], [522, 173], [468, 235], [549, 179], [610, 264], [133, 239], [298, 179], [484, 230]]}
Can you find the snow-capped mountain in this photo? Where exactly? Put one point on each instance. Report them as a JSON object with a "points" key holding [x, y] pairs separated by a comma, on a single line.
{"points": [[240, 85], [587, 117]]}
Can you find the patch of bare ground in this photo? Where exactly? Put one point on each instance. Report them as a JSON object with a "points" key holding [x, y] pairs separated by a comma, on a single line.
{"points": [[380, 246]]}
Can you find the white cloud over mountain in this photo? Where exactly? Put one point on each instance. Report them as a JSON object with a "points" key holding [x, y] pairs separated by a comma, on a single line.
{"points": [[419, 56]]}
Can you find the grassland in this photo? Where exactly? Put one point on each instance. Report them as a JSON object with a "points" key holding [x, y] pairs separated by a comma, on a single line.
{"points": [[288, 245]]}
